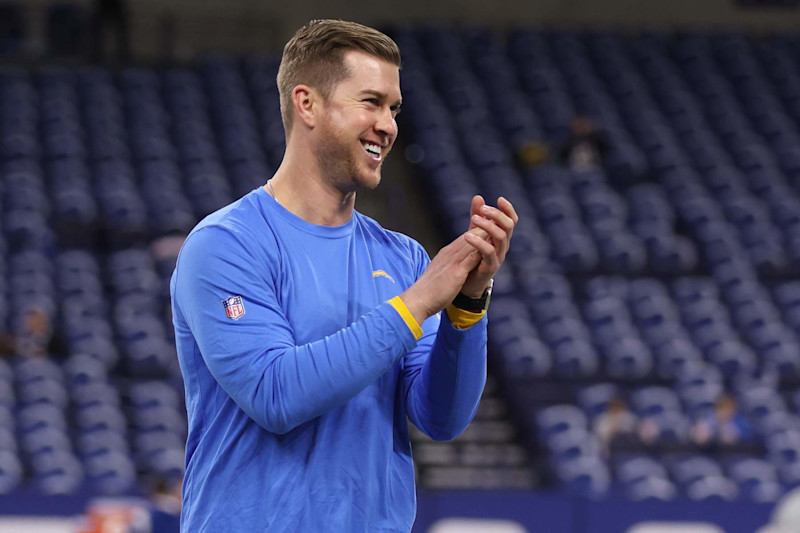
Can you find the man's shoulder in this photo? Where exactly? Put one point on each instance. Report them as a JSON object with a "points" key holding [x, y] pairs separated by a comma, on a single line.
{"points": [[241, 214], [236, 229], [391, 238]]}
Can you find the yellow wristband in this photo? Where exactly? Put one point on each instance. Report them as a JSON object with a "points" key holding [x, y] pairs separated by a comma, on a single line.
{"points": [[462, 319], [400, 306]]}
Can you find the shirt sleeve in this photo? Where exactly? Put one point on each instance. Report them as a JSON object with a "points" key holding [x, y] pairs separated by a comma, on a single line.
{"points": [[444, 376], [253, 357]]}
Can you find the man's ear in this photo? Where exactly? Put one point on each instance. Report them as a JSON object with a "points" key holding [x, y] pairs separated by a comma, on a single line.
{"points": [[306, 104]]}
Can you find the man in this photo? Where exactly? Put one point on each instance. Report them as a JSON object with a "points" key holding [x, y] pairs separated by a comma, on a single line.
{"points": [[308, 335]]}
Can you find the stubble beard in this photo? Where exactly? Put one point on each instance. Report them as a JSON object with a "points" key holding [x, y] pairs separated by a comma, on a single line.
{"points": [[339, 163]]}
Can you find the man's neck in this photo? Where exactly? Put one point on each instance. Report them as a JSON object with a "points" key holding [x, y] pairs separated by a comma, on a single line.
{"points": [[302, 190]]}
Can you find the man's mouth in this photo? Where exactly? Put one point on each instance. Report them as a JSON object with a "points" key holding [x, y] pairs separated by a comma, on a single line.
{"points": [[373, 150]]}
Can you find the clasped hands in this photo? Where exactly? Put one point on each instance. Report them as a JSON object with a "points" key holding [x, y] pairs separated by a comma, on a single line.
{"points": [[468, 263]]}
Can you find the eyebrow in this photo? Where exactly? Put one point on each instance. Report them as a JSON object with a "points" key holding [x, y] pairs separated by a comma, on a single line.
{"points": [[381, 96]]}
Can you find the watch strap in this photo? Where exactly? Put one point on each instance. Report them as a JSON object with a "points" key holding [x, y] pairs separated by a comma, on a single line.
{"points": [[475, 305]]}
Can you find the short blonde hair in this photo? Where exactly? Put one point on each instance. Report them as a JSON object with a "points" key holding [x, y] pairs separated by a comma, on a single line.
{"points": [[315, 57]]}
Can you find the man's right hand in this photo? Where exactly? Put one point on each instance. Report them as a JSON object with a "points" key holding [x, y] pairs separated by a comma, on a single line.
{"points": [[444, 277]]}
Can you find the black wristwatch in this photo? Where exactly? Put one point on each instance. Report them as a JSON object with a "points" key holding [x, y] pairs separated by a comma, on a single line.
{"points": [[475, 305]]}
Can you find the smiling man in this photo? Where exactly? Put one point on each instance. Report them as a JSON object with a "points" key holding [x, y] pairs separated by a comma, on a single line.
{"points": [[308, 335]]}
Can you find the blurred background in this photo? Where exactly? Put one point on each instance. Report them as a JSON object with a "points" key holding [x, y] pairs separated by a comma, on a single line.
{"points": [[644, 361]]}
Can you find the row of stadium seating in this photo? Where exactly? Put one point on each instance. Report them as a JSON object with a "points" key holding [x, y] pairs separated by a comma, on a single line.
{"points": [[663, 277]]}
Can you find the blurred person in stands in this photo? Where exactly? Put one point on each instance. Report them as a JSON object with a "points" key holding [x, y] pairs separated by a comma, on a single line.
{"points": [[308, 335], [616, 427], [724, 426], [165, 506], [163, 510], [38, 337], [585, 145]]}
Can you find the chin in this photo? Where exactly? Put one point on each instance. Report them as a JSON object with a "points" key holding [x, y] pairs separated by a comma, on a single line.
{"points": [[371, 183], [368, 180]]}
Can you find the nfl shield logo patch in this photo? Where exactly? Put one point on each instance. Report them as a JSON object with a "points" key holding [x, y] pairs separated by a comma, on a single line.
{"points": [[234, 307]]}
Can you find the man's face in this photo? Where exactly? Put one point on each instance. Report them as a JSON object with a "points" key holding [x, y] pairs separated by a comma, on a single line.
{"points": [[357, 126]]}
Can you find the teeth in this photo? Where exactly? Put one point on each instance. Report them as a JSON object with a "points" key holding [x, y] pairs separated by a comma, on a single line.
{"points": [[373, 149]]}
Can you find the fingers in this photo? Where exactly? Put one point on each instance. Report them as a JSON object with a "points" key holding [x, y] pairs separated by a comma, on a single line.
{"points": [[475, 207], [479, 232], [486, 249], [494, 231], [494, 227], [508, 209], [460, 249], [477, 203], [504, 214], [498, 223], [498, 216]]}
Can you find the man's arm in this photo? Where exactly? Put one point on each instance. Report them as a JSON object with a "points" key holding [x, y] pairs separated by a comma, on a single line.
{"points": [[254, 358], [445, 375]]}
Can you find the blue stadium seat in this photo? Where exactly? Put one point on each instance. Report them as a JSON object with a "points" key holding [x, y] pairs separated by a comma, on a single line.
{"points": [[628, 358], [655, 400], [150, 443], [575, 358], [160, 418], [633, 469], [651, 489], [602, 286], [45, 440], [777, 421], [95, 393], [7, 399], [97, 346], [112, 472], [732, 358], [11, 471], [585, 476], [81, 369], [57, 472], [594, 399], [101, 441], [691, 468], [43, 391], [526, 357], [673, 353], [558, 419], [783, 450], [148, 394], [712, 488], [168, 463], [103, 416]]}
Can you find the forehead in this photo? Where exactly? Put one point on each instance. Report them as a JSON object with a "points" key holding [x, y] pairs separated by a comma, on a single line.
{"points": [[370, 73]]}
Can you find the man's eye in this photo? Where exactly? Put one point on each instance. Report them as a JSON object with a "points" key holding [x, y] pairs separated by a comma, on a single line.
{"points": [[373, 101]]}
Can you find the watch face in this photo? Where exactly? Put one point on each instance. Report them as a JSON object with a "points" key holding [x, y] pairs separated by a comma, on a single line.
{"points": [[487, 295]]}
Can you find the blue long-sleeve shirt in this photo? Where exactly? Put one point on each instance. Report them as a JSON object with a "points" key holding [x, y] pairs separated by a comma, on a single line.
{"points": [[300, 375]]}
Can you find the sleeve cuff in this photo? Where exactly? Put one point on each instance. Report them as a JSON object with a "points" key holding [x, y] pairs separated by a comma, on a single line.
{"points": [[400, 306], [462, 319]]}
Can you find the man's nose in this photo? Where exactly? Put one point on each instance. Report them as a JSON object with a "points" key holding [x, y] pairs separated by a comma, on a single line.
{"points": [[387, 124]]}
